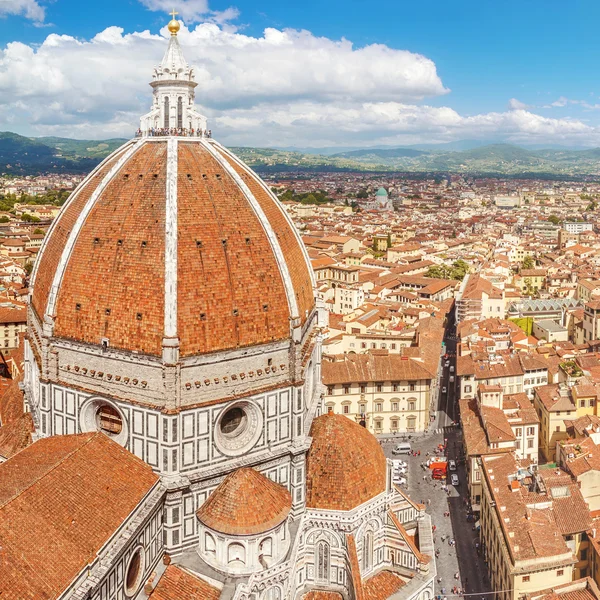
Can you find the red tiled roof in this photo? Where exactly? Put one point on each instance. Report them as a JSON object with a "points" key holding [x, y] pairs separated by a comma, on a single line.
{"points": [[69, 494], [356, 368], [230, 285], [178, 584], [245, 502], [345, 465], [382, 585], [355, 577], [16, 435], [322, 595]]}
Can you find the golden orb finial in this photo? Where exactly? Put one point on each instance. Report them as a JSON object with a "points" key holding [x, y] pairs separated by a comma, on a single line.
{"points": [[173, 25]]}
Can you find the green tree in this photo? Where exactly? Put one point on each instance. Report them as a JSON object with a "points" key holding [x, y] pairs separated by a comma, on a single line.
{"points": [[362, 194], [389, 240], [459, 269], [438, 272], [528, 262], [4, 219], [554, 220], [28, 268], [38, 231], [30, 218]]}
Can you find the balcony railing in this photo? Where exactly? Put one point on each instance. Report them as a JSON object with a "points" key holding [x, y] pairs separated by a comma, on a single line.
{"points": [[174, 131]]}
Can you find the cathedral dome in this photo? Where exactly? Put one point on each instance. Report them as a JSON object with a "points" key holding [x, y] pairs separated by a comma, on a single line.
{"points": [[345, 465], [172, 241], [245, 503]]}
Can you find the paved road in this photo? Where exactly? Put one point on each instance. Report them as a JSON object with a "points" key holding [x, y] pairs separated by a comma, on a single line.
{"points": [[461, 559]]}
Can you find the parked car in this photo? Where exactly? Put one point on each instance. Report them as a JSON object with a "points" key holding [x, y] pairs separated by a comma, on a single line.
{"points": [[452, 369], [400, 463], [400, 481], [402, 448], [452, 465], [447, 363], [400, 471], [451, 378], [444, 390], [454, 479]]}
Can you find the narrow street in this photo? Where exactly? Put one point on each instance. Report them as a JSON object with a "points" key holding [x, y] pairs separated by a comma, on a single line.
{"points": [[449, 510]]}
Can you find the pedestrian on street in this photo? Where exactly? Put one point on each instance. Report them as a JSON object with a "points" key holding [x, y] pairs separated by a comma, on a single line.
{"points": [[428, 501]]}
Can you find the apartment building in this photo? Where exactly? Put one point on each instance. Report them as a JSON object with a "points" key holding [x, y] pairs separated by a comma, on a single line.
{"points": [[489, 369], [387, 393], [13, 321], [556, 405], [346, 299], [533, 527], [478, 298], [591, 321], [493, 423]]}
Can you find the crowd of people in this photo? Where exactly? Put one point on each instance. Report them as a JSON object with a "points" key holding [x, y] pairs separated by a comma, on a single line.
{"points": [[176, 131]]}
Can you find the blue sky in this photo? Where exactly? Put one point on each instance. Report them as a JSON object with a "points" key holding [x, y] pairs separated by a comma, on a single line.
{"points": [[522, 71]]}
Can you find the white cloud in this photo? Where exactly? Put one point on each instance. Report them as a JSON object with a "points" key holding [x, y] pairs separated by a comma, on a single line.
{"points": [[389, 123], [192, 11], [514, 104], [284, 88], [30, 9], [562, 101]]}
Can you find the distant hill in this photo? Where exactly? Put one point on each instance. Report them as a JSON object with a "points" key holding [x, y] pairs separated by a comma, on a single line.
{"points": [[21, 155], [82, 148], [381, 153]]}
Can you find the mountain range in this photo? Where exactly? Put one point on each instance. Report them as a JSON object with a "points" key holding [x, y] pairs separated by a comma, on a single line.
{"points": [[21, 155]]}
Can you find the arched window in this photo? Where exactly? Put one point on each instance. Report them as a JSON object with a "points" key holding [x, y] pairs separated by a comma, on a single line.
{"points": [[209, 544], [322, 560], [166, 125], [180, 112], [236, 553], [266, 547], [367, 556], [273, 593]]}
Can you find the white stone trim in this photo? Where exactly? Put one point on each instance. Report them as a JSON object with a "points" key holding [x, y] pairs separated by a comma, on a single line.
{"points": [[272, 237], [68, 203], [171, 241], [68, 249], [276, 200]]}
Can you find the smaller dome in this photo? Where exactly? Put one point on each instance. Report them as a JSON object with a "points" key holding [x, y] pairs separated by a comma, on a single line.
{"points": [[381, 192], [245, 503], [345, 465]]}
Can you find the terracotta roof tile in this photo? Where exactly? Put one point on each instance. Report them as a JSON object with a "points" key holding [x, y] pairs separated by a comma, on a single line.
{"points": [[178, 584], [58, 490], [345, 465], [382, 585], [245, 502], [230, 288], [357, 582], [322, 595], [355, 368]]}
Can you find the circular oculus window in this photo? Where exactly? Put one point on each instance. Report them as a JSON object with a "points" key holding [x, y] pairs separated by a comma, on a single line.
{"points": [[135, 571], [238, 428], [98, 414]]}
